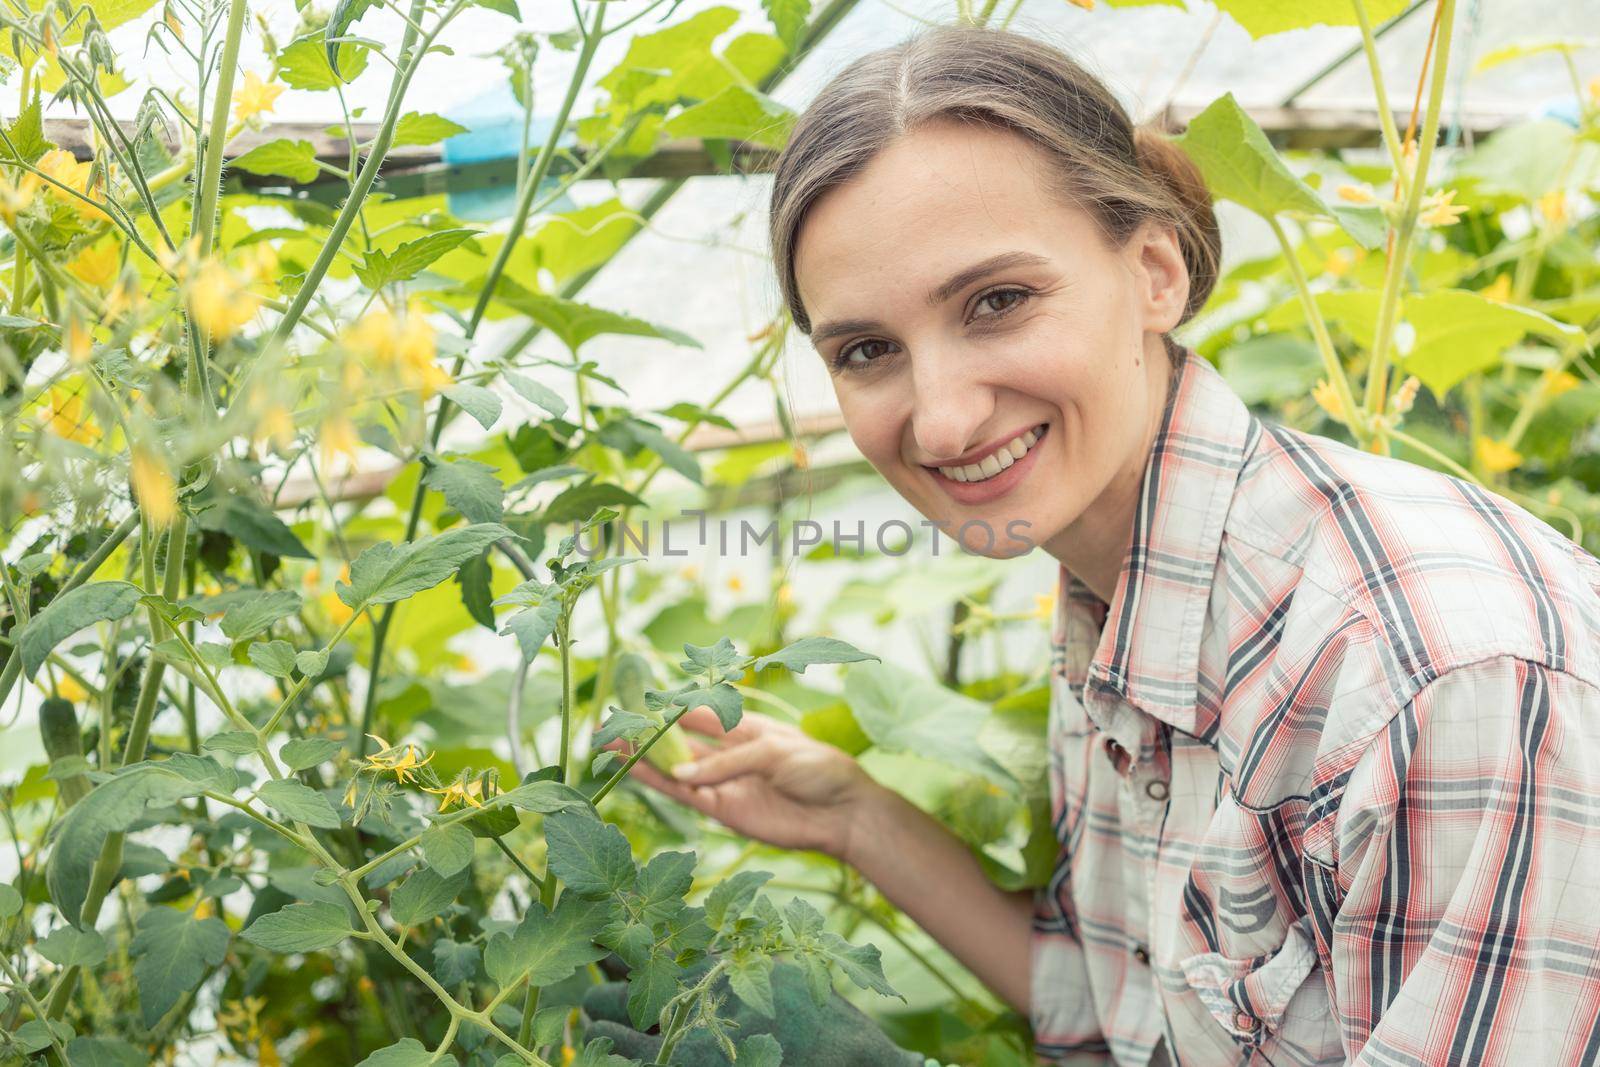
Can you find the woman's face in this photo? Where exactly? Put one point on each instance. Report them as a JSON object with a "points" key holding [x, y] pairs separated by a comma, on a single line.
{"points": [[995, 359]]}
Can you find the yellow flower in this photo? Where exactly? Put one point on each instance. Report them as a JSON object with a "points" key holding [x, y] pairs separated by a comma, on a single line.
{"points": [[337, 434], [1439, 211], [65, 417], [15, 197], [154, 486], [459, 792], [1044, 605], [401, 759], [735, 584], [1357, 194], [80, 343], [96, 265], [255, 96], [1339, 261], [64, 168], [277, 425], [1087, 5], [1498, 290], [1328, 399], [69, 689], [1560, 382], [219, 301], [1497, 456], [1553, 206], [1406, 395], [336, 609], [689, 572], [785, 595]]}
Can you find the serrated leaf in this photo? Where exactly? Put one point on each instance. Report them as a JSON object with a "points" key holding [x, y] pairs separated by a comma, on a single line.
{"points": [[472, 488], [639, 433], [382, 268], [625, 724], [580, 502], [721, 698], [590, 856], [423, 127], [901, 711], [718, 658], [274, 657], [1240, 164], [424, 895], [543, 797], [649, 989], [576, 323], [407, 1052], [295, 160], [1459, 332], [301, 927], [233, 742], [534, 626], [174, 951], [296, 800], [303, 63], [70, 612], [252, 524], [546, 948], [760, 1050], [454, 962], [345, 14], [305, 752], [385, 573], [448, 849], [808, 650], [736, 113], [750, 978], [252, 615], [475, 578], [26, 134], [730, 897], [484, 405]]}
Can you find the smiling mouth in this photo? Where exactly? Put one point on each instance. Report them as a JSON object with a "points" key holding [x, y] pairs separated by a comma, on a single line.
{"points": [[998, 461]]}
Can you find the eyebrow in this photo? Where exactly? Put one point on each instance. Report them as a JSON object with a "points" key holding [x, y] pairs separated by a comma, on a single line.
{"points": [[938, 294]]}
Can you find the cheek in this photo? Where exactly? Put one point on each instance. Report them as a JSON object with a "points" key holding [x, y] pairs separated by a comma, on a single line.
{"points": [[871, 421]]}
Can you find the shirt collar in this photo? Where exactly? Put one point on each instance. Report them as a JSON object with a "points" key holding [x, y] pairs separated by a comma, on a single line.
{"points": [[1148, 651]]}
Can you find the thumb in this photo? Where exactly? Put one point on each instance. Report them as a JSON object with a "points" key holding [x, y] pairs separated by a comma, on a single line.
{"points": [[730, 762]]}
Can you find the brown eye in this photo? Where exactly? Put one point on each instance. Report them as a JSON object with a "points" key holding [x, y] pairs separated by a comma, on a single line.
{"points": [[1019, 294], [856, 355]]}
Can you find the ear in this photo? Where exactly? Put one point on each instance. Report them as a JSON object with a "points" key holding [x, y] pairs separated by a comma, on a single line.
{"points": [[1160, 274]]}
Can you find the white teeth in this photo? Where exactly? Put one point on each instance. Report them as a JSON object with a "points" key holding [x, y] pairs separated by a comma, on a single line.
{"points": [[995, 462]]}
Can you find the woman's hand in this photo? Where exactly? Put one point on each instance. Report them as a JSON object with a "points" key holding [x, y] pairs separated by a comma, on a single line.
{"points": [[767, 780]]}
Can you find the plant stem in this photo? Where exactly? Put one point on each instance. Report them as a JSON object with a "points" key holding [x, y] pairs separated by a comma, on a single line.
{"points": [[1319, 329], [1391, 136]]}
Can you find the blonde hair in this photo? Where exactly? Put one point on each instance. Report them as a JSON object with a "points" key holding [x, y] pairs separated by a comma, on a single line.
{"points": [[1121, 174]]}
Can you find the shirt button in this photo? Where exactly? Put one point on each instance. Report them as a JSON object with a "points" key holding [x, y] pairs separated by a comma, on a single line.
{"points": [[1142, 954], [1245, 1021], [1157, 790]]}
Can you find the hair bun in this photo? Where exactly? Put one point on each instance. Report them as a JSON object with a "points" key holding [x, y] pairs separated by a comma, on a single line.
{"points": [[1199, 238]]}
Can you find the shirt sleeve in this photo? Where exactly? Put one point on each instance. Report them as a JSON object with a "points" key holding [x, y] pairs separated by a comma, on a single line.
{"points": [[1468, 863]]}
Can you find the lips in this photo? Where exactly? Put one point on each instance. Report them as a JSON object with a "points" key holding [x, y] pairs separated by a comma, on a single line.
{"points": [[997, 472]]}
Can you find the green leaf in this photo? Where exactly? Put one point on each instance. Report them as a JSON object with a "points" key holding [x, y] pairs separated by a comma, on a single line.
{"points": [[305, 752], [33, 1036], [448, 849], [906, 712], [536, 393], [484, 405], [475, 578], [717, 659], [649, 989], [27, 134], [1527, 160], [808, 650], [470, 487], [730, 897], [722, 698], [1271, 368], [504, 7], [381, 268], [345, 14], [455, 962], [68, 946], [543, 797], [174, 950], [1262, 17], [407, 1052], [579, 502], [750, 978], [590, 856], [860, 963], [623, 724], [788, 18], [736, 113], [296, 800], [253, 525], [300, 927], [385, 573], [1239, 163], [274, 657], [10, 901], [636, 433], [1541, 46], [760, 1050], [534, 626], [233, 742], [545, 947], [111, 807], [576, 323], [1459, 332], [252, 615], [418, 128], [423, 895], [303, 63], [105, 1052], [312, 662], [295, 160], [70, 612]]}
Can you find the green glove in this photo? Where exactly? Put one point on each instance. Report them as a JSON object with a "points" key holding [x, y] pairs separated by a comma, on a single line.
{"points": [[836, 1034]]}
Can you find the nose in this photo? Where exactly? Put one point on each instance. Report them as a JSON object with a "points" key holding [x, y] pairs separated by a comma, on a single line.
{"points": [[950, 403]]}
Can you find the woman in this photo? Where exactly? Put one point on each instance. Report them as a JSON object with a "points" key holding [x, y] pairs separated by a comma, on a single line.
{"points": [[1325, 726]]}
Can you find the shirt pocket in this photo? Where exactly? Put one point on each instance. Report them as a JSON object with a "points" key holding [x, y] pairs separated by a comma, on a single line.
{"points": [[1250, 998]]}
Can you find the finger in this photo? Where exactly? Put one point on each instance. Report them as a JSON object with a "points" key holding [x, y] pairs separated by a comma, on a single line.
{"points": [[730, 762], [626, 1041]]}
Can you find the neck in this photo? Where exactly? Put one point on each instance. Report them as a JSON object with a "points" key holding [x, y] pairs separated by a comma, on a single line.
{"points": [[1095, 544]]}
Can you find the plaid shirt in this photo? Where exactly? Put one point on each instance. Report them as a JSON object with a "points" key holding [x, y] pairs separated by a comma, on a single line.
{"points": [[1326, 774]]}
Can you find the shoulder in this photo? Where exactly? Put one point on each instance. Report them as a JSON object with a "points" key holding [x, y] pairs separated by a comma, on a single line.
{"points": [[1350, 583]]}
